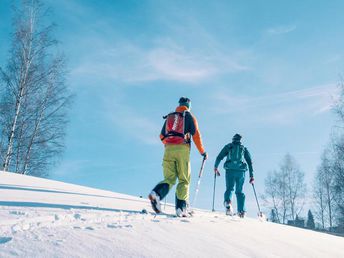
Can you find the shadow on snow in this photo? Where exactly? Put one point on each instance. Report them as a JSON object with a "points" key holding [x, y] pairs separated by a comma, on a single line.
{"points": [[24, 188], [62, 206]]}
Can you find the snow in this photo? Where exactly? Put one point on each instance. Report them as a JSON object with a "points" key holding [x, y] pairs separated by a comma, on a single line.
{"points": [[46, 218]]}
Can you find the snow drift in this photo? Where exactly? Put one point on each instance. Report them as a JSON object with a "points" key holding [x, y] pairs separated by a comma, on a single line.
{"points": [[45, 218]]}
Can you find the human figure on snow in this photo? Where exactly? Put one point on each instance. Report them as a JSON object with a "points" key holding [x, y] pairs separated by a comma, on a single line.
{"points": [[176, 135], [236, 168]]}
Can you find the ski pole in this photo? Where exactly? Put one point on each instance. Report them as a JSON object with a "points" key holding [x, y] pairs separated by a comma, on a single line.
{"points": [[165, 203], [198, 182], [255, 194], [214, 192]]}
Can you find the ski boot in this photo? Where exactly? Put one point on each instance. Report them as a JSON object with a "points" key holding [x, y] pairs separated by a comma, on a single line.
{"points": [[181, 208], [182, 213], [229, 208], [242, 214], [155, 201]]}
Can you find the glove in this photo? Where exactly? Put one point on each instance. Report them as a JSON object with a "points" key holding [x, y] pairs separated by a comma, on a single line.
{"points": [[217, 172], [251, 180], [205, 155]]}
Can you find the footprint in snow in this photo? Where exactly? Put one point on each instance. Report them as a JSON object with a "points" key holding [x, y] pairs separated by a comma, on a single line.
{"points": [[112, 226], [119, 226], [4, 240], [77, 216], [19, 213], [20, 227]]}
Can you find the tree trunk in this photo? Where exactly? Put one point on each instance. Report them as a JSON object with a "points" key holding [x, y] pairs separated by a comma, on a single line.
{"points": [[27, 60]]}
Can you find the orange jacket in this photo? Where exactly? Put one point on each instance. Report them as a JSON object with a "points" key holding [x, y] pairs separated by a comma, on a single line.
{"points": [[191, 127]]}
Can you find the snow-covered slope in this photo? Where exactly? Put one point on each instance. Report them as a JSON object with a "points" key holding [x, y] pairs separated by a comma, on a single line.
{"points": [[45, 218]]}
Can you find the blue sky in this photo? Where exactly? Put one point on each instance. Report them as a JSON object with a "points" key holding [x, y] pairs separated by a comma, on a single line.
{"points": [[267, 70]]}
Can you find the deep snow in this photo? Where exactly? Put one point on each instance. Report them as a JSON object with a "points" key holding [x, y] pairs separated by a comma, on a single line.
{"points": [[45, 218]]}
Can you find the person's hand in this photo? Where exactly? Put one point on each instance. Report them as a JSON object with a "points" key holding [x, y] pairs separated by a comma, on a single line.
{"points": [[251, 180], [217, 172], [205, 155]]}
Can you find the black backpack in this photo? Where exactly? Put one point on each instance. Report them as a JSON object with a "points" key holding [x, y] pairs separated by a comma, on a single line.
{"points": [[235, 158]]}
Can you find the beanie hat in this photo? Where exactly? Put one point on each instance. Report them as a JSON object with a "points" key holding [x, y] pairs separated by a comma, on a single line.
{"points": [[184, 101], [236, 138]]}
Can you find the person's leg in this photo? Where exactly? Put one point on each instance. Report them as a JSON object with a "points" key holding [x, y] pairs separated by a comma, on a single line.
{"points": [[170, 174], [239, 181], [184, 176], [230, 181]]}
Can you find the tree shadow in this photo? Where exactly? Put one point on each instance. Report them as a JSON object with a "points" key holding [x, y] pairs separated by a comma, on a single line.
{"points": [[4, 240], [25, 188], [63, 206]]}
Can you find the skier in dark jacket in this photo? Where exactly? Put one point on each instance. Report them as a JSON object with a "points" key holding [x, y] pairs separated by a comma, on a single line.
{"points": [[176, 135], [237, 163]]}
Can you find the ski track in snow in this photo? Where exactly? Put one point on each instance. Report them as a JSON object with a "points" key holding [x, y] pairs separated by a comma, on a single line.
{"points": [[44, 218]]}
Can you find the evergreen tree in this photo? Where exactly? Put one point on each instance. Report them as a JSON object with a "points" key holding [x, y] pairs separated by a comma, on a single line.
{"points": [[310, 220], [273, 216]]}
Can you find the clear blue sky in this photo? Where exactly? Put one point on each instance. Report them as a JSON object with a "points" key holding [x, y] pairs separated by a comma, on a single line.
{"points": [[265, 69]]}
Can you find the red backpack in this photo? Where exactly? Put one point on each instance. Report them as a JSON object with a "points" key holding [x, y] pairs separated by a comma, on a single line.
{"points": [[175, 128]]}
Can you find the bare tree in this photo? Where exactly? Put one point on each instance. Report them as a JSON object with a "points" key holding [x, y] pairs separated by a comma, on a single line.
{"points": [[34, 98], [338, 178], [339, 103], [324, 187], [338, 144], [272, 197], [296, 188], [285, 190]]}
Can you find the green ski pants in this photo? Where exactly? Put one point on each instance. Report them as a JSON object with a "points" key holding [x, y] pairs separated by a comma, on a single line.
{"points": [[176, 164]]}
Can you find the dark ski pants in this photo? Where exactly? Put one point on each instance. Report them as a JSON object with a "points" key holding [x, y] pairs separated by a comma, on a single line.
{"points": [[237, 179]]}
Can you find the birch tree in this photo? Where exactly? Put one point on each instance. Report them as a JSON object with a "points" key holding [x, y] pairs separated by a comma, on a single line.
{"points": [[34, 97], [296, 187], [338, 179], [285, 190], [272, 197]]}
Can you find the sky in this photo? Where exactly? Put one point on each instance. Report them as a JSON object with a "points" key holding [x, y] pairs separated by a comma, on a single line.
{"points": [[267, 70]]}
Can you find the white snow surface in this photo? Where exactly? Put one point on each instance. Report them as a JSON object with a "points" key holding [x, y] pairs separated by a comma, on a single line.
{"points": [[46, 218]]}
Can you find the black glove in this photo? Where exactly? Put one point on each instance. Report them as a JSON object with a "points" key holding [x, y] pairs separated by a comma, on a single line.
{"points": [[205, 155]]}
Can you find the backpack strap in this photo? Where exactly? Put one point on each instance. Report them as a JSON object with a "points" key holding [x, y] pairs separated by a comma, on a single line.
{"points": [[172, 133], [173, 113]]}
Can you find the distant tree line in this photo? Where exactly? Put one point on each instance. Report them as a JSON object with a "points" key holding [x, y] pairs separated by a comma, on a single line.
{"points": [[285, 190], [34, 98], [329, 179]]}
